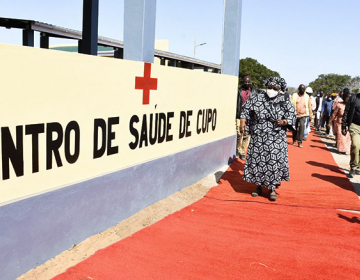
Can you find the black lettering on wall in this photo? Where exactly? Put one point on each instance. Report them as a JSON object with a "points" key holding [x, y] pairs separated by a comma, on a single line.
{"points": [[169, 137], [12, 153], [53, 145], [182, 124], [162, 127], [111, 136], [209, 118], [143, 136], [34, 130], [72, 126], [188, 133], [134, 132], [213, 124], [152, 139], [204, 119], [99, 124], [198, 130]]}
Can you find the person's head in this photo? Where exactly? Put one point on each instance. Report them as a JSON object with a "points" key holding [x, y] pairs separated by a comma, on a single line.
{"points": [[333, 95], [246, 83], [309, 91], [301, 89], [346, 95], [274, 85], [321, 93], [341, 93]]}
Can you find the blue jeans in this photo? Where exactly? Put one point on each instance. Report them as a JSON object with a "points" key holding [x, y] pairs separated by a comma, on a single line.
{"points": [[307, 123]]}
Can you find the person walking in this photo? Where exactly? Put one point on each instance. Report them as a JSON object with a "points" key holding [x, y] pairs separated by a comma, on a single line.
{"points": [[301, 101], [307, 129], [317, 110], [245, 91], [351, 123], [342, 141], [266, 118], [326, 113], [337, 99]]}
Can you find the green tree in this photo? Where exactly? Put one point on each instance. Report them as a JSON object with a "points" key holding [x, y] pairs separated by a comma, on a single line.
{"points": [[257, 72], [353, 84], [330, 83]]}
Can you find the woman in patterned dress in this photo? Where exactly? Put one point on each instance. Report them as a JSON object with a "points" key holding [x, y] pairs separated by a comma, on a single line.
{"points": [[343, 143], [269, 115]]}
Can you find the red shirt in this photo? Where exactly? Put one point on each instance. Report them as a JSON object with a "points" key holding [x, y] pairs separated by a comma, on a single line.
{"points": [[245, 95]]}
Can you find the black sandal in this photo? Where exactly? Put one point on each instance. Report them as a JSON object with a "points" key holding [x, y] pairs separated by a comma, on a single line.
{"points": [[257, 192], [273, 195]]}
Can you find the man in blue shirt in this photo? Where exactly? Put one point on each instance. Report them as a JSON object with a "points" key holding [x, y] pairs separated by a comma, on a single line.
{"points": [[326, 112]]}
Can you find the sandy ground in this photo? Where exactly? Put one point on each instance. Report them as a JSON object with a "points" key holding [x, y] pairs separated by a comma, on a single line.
{"points": [[142, 219], [150, 215]]}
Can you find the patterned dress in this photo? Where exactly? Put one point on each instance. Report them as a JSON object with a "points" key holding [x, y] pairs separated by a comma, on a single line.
{"points": [[267, 158], [343, 143]]}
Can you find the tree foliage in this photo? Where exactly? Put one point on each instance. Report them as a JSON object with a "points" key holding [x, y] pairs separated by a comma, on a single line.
{"points": [[257, 72], [330, 83], [353, 84]]}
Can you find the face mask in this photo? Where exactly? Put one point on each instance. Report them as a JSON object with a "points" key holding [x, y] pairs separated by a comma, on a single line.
{"points": [[246, 87], [272, 93], [302, 91]]}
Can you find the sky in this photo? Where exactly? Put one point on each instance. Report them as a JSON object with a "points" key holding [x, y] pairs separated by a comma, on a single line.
{"points": [[300, 39]]}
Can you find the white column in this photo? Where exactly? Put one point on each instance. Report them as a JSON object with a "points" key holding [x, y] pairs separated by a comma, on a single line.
{"points": [[231, 37], [139, 30]]}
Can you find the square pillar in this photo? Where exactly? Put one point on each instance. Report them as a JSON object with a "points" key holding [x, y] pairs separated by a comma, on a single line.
{"points": [[80, 46], [173, 63], [44, 41], [231, 37], [90, 27], [28, 37], [118, 53], [139, 30]]}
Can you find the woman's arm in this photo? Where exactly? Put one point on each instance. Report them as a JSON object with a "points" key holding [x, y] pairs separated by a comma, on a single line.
{"points": [[242, 126], [282, 122], [331, 120]]}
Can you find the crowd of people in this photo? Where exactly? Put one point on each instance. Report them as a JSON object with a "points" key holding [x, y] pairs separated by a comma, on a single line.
{"points": [[263, 118]]}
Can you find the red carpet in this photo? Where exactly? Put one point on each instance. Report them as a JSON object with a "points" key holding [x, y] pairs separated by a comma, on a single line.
{"points": [[315, 180], [229, 235], [213, 239]]}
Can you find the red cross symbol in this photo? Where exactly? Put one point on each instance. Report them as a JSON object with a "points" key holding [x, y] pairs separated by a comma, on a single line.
{"points": [[146, 83]]}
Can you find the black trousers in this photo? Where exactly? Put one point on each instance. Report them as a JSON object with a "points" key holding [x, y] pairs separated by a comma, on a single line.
{"points": [[298, 134], [326, 122]]}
